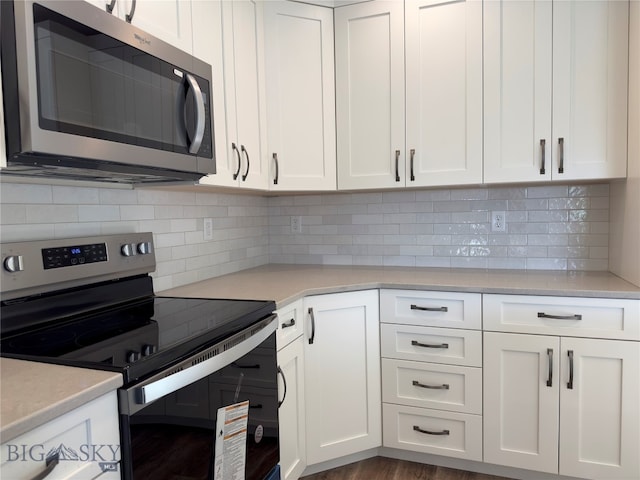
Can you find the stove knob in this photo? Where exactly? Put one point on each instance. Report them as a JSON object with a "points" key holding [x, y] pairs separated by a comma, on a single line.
{"points": [[129, 249], [149, 350], [13, 264], [144, 248], [133, 356]]}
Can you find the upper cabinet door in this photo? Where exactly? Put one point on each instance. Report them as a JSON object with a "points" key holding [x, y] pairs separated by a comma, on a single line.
{"points": [[444, 92], [370, 95], [300, 96], [590, 60], [517, 90]]}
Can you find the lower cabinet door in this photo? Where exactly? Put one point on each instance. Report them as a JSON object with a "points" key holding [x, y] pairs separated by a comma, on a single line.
{"points": [[599, 409], [432, 431], [291, 412]]}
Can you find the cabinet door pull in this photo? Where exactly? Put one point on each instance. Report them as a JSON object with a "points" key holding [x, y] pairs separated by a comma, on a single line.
{"points": [[291, 323], [550, 375], [444, 386], [284, 382], [559, 317], [50, 463], [247, 367], [413, 154], [313, 326], [570, 382], [543, 144], [397, 165], [110, 6], [441, 432], [235, 149], [246, 154], [430, 309], [275, 160], [129, 16], [561, 147], [415, 343]]}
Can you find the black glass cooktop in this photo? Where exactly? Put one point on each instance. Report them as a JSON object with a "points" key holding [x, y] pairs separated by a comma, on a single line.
{"points": [[137, 338]]}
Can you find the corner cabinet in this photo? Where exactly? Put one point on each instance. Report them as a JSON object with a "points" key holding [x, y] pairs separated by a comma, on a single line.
{"points": [[300, 86], [342, 374], [555, 90], [559, 404], [442, 113], [168, 20], [233, 42]]}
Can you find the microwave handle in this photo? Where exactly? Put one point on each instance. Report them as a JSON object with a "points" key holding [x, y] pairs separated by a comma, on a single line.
{"points": [[200, 115]]}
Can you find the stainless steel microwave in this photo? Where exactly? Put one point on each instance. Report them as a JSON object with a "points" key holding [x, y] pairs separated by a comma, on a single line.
{"points": [[90, 96]]}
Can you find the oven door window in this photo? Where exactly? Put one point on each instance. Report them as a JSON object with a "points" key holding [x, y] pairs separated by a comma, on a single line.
{"points": [[92, 85], [175, 437]]}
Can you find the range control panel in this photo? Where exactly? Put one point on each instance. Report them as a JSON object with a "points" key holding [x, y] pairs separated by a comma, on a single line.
{"points": [[47, 265]]}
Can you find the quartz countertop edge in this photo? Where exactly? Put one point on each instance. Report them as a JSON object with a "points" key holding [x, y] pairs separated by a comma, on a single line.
{"points": [[284, 283], [33, 393]]}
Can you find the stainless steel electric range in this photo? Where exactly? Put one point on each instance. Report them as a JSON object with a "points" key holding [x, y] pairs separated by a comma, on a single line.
{"points": [[89, 302]]}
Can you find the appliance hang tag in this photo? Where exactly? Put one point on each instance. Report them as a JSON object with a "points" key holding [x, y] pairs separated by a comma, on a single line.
{"points": [[231, 442]]}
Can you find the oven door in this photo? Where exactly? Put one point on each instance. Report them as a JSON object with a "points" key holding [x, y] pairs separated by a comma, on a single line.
{"points": [[213, 416]]}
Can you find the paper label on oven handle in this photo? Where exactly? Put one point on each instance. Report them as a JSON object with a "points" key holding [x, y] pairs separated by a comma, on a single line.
{"points": [[231, 442]]}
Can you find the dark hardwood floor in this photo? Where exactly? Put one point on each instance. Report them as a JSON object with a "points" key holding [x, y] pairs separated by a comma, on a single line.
{"points": [[379, 468]]}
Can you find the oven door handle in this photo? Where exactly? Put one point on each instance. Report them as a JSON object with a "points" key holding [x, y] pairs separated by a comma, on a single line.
{"points": [[159, 385]]}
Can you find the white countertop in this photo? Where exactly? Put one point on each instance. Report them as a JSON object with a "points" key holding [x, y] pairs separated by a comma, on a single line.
{"points": [[286, 283]]}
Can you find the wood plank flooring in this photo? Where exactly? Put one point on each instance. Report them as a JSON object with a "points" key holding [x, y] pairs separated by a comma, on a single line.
{"points": [[379, 468]]}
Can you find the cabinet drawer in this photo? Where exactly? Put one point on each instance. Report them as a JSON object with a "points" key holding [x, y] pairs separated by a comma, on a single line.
{"points": [[432, 385], [436, 309], [290, 323], [432, 344], [452, 434], [578, 317]]}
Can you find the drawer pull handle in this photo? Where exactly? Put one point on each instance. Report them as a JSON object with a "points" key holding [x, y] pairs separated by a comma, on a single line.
{"points": [[291, 323], [559, 317], [441, 432], [50, 463], [550, 376], [415, 343], [444, 386], [313, 326], [429, 309], [570, 382]]}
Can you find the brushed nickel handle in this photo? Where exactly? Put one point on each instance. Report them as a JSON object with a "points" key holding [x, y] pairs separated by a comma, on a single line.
{"points": [[428, 432], [412, 153], [313, 326], [235, 149], [275, 160], [559, 317], [397, 165], [570, 382], [429, 309], [550, 375], [415, 343], [561, 146], [543, 144], [129, 16], [444, 386], [291, 323], [110, 6], [246, 154]]}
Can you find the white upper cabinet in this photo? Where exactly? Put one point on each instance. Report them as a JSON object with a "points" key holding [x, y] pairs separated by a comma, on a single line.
{"points": [[169, 20], [300, 96], [443, 44], [241, 158], [434, 135], [370, 95], [555, 90]]}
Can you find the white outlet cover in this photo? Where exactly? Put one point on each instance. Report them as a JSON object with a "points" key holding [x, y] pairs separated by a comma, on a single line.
{"points": [[208, 229], [498, 221]]}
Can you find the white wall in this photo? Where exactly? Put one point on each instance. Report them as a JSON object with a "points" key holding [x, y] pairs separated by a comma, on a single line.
{"points": [[624, 244]]}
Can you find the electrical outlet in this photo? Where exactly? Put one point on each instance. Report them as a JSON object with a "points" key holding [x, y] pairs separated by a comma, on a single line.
{"points": [[296, 224], [498, 222], [208, 229]]}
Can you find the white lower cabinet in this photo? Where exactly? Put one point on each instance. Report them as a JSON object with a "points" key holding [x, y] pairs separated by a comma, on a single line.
{"points": [[432, 375], [342, 374], [560, 404], [86, 440]]}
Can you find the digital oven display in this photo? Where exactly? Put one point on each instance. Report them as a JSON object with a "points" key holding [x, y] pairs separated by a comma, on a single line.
{"points": [[75, 255]]}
